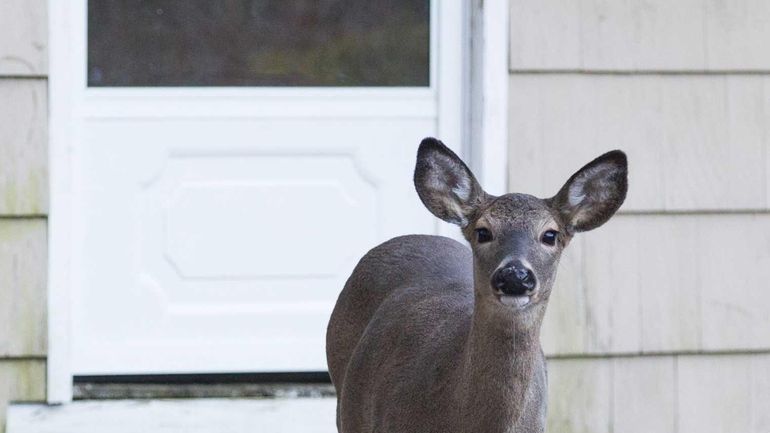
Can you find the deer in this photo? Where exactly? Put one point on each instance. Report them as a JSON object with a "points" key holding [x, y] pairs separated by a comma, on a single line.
{"points": [[431, 336]]}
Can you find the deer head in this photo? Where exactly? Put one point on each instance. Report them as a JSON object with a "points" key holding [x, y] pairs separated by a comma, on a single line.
{"points": [[517, 239]]}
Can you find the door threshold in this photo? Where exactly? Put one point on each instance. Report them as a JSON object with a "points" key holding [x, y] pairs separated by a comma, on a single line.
{"points": [[306, 415], [143, 391], [221, 385]]}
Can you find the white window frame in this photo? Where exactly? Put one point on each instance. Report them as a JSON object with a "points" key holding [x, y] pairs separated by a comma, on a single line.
{"points": [[474, 115]]}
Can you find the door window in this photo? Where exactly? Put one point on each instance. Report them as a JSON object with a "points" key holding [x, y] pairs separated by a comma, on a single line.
{"points": [[320, 43]]}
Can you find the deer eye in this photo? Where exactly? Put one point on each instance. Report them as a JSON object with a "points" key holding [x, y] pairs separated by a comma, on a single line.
{"points": [[549, 237], [483, 235]]}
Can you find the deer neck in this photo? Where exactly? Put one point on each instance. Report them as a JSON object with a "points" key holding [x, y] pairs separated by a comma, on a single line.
{"points": [[501, 358]]}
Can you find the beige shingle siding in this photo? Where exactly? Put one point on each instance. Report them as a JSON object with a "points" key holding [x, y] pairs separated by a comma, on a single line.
{"points": [[695, 142], [23, 38], [605, 395], [23, 147], [23, 200], [21, 380], [652, 35], [664, 283], [23, 257], [659, 320], [701, 393]]}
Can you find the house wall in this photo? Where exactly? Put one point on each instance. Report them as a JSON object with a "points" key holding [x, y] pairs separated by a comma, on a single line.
{"points": [[23, 201], [660, 320]]}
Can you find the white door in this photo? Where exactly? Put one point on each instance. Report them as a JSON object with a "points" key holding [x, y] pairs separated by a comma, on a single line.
{"points": [[231, 161]]}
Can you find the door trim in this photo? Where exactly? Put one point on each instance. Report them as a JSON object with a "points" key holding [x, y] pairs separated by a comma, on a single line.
{"points": [[488, 107], [59, 374], [483, 138]]}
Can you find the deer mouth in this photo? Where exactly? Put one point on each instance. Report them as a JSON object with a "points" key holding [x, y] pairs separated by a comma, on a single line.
{"points": [[518, 301]]}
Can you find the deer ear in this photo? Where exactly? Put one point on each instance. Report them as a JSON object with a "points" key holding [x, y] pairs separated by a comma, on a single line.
{"points": [[593, 194], [445, 184]]}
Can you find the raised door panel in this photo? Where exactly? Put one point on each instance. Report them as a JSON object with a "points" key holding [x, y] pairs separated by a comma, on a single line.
{"points": [[221, 246]]}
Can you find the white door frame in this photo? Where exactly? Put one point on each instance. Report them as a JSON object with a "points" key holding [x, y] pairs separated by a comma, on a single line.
{"points": [[473, 115], [487, 119]]}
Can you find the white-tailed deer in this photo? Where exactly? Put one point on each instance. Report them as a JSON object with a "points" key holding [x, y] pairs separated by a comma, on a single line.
{"points": [[429, 336]]}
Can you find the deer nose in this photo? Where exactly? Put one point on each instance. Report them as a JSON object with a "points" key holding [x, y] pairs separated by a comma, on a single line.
{"points": [[514, 279]]}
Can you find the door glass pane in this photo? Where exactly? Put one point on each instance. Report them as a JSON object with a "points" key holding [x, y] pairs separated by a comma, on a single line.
{"points": [[258, 43]]}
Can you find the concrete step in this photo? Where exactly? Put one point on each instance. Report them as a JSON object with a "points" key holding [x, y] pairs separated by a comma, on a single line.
{"points": [[278, 415]]}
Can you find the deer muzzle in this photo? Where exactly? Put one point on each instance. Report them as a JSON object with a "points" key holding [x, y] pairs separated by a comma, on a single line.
{"points": [[514, 279]]}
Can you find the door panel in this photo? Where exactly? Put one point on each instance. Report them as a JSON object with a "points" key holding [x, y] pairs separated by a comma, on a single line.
{"points": [[232, 244], [215, 227]]}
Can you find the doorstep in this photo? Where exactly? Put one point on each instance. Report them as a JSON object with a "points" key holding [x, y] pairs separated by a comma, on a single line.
{"points": [[210, 415]]}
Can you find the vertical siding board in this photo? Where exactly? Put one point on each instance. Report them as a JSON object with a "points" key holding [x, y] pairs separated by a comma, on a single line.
{"points": [[565, 324], [644, 393], [601, 20], [23, 258], [559, 123], [574, 115], [612, 291], [630, 126], [760, 395], [737, 32], [579, 396], [766, 135], [20, 381], [714, 393], [720, 120], [746, 122], [693, 114], [544, 34], [527, 108], [734, 275], [23, 37], [572, 107], [656, 35], [23, 147], [668, 283], [672, 34]]}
